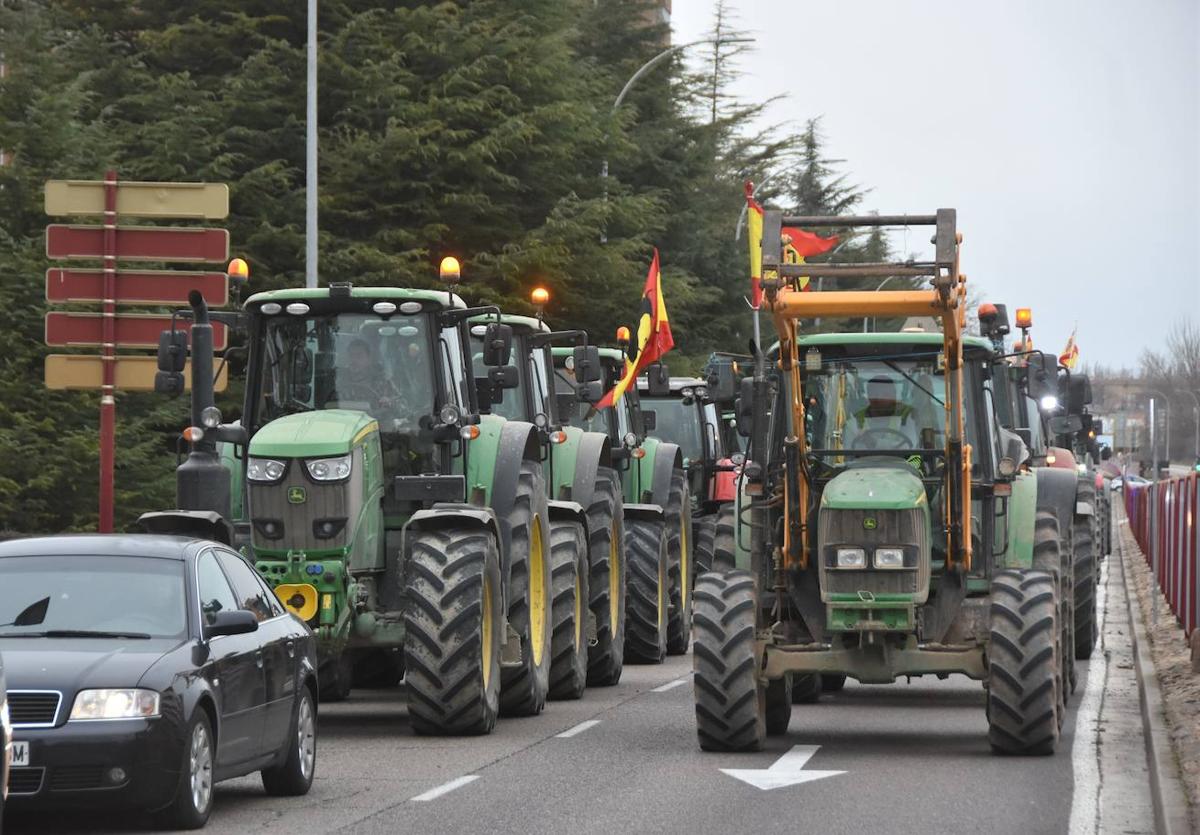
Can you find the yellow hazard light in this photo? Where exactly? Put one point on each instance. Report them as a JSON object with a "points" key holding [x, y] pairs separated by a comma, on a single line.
{"points": [[622, 334], [238, 268], [540, 295], [1024, 317], [299, 598], [450, 270]]}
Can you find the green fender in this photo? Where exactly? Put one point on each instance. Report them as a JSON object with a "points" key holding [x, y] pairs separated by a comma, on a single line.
{"points": [[562, 462], [1022, 513], [652, 473]]}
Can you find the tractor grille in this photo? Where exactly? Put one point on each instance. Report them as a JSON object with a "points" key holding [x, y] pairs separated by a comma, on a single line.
{"points": [[309, 501], [892, 527], [32, 709]]}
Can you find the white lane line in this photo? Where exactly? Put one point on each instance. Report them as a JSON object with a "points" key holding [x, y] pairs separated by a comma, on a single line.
{"points": [[1085, 752], [578, 729], [445, 788], [671, 685]]}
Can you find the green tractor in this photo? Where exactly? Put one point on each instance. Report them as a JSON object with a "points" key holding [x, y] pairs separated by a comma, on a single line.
{"points": [[658, 535], [889, 528], [588, 640], [686, 413], [410, 531]]}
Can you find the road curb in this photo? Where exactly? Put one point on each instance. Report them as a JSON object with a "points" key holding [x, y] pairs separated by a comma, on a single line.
{"points": [[1166, 787]]}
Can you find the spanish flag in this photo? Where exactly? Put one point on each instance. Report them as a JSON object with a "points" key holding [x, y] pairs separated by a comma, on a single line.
{"points": [[754, 226], [653, 336], [1069, 358]]}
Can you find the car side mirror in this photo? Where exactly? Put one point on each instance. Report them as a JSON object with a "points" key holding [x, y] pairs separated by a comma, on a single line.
{"points": [[504, 377], [232, 622], [497, 344], [586, 362], [658, 380], [649, 419]]}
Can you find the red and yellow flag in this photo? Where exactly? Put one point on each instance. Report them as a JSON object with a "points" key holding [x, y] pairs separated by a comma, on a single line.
{"points": [[797, 245], [1069, 358], [653, 336]]}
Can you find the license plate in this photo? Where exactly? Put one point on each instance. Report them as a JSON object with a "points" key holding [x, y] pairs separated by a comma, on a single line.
{"points": [[20, 754]]}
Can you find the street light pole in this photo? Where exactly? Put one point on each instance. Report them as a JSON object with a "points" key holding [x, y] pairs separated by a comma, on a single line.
{"points": [[310, 155], [1196, 416], [877, 289], [633, 79], [1153, 420]]}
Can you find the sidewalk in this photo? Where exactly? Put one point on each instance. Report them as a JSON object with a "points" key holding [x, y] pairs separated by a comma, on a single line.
{"points": [[1170, 656]]}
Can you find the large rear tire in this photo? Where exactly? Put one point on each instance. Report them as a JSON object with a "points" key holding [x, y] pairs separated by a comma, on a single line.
{"points": [[453, 626], [524, 686], [1024, 671], [680, 565], [646, 601], [606, 579], [724, 556], [1083, 544], [337, 679], [731, 700], [704, 531], [569, 611]]}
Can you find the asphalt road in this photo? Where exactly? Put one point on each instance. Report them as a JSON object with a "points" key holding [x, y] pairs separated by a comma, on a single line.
{"points": [[912, 758]]}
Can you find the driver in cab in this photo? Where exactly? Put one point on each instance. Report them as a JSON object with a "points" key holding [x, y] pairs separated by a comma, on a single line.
{"points": [[364, 380], [884, 420]]}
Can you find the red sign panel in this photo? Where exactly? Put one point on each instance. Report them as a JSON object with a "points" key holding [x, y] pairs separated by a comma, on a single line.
{"points": [[69, 330], [136, 286], [139, 243]]}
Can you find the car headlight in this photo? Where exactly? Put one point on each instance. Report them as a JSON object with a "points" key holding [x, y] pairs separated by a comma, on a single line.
{"points": [[5, 720], [133, 703], [851, 558], [329, 469], [265, 470], [889, 558]]}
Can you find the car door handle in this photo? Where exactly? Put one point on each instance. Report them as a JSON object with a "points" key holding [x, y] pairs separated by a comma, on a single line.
{"points": [[258, 659], [291, 648]]}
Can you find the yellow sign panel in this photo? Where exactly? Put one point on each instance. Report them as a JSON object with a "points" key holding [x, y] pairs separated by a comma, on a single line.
{"points": [[196, 201], [134, 373]]}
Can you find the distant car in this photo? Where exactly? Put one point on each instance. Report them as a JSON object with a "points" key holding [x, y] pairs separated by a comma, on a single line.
{"points": [[143, 669], [1118, 484]]}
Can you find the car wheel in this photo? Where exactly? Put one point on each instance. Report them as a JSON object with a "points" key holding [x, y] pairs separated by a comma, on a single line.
{"points": [[295, 776], [194, 796]]}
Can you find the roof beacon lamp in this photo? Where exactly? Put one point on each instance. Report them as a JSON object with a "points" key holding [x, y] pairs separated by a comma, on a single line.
{"points": [[539, 297]]}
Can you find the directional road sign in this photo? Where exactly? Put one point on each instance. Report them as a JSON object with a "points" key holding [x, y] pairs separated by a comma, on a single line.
{"points": [[136, 286], [196, 201], [133, 373], [139, 243], [132, 330]]}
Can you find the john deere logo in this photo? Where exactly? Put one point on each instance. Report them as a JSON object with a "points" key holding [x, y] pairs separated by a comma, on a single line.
{"points": [[869, 523], [914, 461], [297, 495]]}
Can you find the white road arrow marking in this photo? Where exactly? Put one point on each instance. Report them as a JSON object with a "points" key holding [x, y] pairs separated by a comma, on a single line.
{"points": [[788, 770]]}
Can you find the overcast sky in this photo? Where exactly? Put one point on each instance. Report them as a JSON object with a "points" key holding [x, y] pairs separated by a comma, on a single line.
{"points": [[1066, 133]]}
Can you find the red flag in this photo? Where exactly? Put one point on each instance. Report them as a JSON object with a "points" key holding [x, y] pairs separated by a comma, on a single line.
{"points": [[653, 336], [807, 244]]}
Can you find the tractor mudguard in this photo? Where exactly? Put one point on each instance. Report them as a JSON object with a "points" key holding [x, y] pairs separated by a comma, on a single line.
{"points": [[569, 511], [493, 467], [1056, 489], [649, 512], [1084, 509], [592, 453], [456, 515], [661, 461], [1022, 511]]}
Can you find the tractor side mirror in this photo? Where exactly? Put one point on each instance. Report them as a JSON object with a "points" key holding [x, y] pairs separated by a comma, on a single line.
{"points": [[497, 345], [1105, 453], [486, 395], [744, 408], [172, 351], [586, 363], [1065, 424], [722, 387], [649, 419], [504, 376], [1079, 394], [658, 380], [1041, 377]]}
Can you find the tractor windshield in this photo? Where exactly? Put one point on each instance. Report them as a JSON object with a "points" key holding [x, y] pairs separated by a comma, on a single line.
{"points": [[349, 361], [677, 421], [878, 406]]}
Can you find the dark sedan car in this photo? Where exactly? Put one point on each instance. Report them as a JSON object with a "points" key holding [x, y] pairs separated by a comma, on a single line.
{"points": [[143, 669]]}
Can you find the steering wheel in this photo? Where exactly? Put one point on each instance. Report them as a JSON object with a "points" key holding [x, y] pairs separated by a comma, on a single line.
{"points": [[873, 438]]}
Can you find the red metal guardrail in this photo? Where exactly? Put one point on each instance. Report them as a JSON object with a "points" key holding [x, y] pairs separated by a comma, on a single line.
{"points": [[1164, 518]]}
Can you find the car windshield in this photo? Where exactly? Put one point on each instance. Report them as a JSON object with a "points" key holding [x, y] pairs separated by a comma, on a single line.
{"points": [[876, 404], [123, 596], [678, 423], [349, 361]]}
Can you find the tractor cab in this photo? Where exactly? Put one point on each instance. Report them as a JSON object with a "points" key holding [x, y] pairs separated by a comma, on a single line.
{"points": [[685, 414]]}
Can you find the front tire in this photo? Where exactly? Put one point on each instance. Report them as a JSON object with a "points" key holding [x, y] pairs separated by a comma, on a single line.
{"points": [[568, 642], [680, 567], [730, 699], [453, 623], [779, 705], [194, 796], [524, 687], [807, 687], [1083, 543], [294, 776], [646, 600], [833, 682], [1024, 672], [606, 579]]}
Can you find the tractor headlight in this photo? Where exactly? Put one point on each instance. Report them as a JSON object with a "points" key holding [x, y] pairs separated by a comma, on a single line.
{"points": [[851, 558], [889, 558], [265, 470], [115, 704], [329, 469]]}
